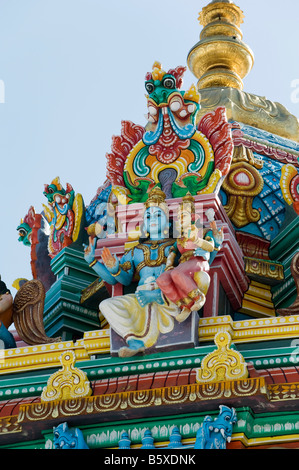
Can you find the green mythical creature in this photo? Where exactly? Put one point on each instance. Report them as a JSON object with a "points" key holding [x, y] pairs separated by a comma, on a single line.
{"points": [[65, 214], [172, 151], [34, 232], [25, 230], [139, 318]]}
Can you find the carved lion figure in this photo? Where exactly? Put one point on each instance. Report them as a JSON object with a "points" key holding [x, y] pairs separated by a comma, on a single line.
{"points": [[68, 438], [215, 434]]}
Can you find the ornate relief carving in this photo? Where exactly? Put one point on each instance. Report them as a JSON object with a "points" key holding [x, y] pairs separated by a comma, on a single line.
{"points": [[68, 382], [134, 400], [222, 364], [241, 186]]}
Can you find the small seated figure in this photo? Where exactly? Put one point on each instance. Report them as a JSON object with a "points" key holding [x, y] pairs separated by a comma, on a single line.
{"points": [[139, 318], [187, 284]]}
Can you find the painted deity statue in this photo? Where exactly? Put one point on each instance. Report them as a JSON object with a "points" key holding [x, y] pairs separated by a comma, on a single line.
{"points": [[187, 284], [34, 232], [173, 150], [65, 214], [139, 318]]}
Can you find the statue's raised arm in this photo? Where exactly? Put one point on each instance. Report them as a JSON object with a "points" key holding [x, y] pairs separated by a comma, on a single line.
{"points": [[100, 268]]}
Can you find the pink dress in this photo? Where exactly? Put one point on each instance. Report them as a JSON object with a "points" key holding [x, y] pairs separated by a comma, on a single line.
{"points": [[178, 284]]}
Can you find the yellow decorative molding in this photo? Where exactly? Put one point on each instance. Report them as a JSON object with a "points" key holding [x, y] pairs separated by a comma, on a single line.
{"points": [[285, 391], [264, 268], [223, 364], [98, 342], [68, 382], [47, 355], [239, 207], [40, 356], [123, 402], [262, 441], [257, 301], [245, 331], [245, 155], [10, 424]]}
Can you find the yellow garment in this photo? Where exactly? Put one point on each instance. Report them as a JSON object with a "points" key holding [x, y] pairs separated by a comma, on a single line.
{"points": [[131, 321]]}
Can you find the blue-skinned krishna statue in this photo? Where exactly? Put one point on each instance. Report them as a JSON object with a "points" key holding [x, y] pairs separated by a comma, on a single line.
{"points": [[141, 317]]}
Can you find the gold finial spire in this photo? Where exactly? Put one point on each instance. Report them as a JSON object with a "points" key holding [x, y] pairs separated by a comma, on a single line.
{"points": [[157, 198], [220, 58]]}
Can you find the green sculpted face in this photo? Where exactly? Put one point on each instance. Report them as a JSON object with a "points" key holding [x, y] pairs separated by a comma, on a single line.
{"points": [[24, 234], [160, 90], [25, 227], [173, 150], [58, 196], [165, 97]]}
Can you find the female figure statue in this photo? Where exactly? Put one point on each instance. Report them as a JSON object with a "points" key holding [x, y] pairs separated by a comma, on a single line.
{"points": [[187, 284]]}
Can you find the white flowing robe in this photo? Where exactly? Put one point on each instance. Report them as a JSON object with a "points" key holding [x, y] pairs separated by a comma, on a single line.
{"points": [[132, 321]]}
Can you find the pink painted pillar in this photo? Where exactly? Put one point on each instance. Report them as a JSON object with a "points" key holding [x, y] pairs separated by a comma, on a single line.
{"points": [[212, 301]]}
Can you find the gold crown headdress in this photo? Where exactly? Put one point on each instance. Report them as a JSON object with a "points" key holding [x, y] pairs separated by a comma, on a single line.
{"points": [[156, 198], [188, 201], [158, 73], [56, 181]]}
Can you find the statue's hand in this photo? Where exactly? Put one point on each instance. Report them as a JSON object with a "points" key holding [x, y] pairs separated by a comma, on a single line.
{"points": [[199, 252], [111, 262], [89, 251], [170, 261], [146, 297], [219, 236]]}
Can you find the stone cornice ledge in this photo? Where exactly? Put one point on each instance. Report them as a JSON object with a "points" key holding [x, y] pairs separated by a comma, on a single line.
{"points": [[133, 404], [259, 329], [33, 418], [97, 342]]}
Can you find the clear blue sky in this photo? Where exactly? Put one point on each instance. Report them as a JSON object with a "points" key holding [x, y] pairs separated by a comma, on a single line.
{"points": [[73, 69]]}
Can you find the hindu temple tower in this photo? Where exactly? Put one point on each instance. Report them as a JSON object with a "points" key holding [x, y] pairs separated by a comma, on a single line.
{"points": [[242, 362]]}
